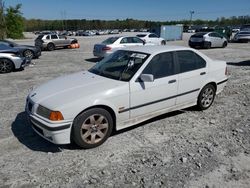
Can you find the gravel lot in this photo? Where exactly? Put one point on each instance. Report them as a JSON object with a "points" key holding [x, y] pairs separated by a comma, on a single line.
{"points": [[186, 148]]}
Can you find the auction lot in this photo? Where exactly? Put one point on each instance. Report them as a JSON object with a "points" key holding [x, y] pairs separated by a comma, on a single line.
{"points": [[186, 148]]}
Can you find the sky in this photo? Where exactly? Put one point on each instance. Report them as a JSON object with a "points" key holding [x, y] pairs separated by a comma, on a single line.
{"points": [[154, 10]]}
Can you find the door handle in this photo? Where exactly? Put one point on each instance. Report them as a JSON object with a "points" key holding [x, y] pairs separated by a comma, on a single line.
{"points": [[171, 81], [202, 73]]}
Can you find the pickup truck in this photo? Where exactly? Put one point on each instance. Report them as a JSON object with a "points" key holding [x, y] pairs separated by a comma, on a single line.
{"points": [[53, 41]]}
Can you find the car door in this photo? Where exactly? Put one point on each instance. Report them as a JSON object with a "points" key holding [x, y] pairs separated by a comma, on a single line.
{"points": [[219, 39], [215, 41], [153, 38], [55, 40], [192, 75], [150, 97]]}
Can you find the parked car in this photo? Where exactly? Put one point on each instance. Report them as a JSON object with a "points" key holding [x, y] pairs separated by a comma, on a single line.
{"points": [[26, 50], [242, 36], [11, 61], [53, 41], [128, 87], [152, 38], [112, 44], [207, 40]]}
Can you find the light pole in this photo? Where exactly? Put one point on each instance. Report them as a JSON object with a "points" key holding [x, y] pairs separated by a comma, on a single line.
{"points": [[191, 16]]}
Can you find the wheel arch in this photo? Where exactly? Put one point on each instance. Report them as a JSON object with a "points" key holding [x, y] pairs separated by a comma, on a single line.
{"points": [[213, 83], [105, 107]]}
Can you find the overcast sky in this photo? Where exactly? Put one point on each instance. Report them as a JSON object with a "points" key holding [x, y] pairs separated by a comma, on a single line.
{"points": [[155, 10]]}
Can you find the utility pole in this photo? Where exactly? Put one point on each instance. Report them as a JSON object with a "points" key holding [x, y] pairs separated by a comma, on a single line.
{"points": [[191, 16]]}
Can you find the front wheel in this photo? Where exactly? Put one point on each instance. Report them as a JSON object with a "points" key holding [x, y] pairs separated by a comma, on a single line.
{"points": [[92, 128], [6, 66], [163, 42], [208, 45], [206, 97]]}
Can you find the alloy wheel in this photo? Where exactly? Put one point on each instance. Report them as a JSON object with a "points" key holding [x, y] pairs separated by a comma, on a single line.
{"points": [[94, 129]]}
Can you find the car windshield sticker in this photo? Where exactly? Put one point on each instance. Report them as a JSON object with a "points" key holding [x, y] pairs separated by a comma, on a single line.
{"points": [[141, 56]]}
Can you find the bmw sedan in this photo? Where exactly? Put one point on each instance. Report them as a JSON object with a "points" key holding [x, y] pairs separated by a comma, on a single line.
{"points": [[112, 44], [207, 40], [128, 87], [25, 50]]}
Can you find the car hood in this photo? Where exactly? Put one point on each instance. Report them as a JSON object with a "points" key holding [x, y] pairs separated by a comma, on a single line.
{"points": [[71, 88], [25, 46]]}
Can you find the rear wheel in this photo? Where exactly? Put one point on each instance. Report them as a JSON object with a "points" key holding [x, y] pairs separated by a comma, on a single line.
{"points": [[28, 54], [92, 128], [51, 47], [224, 44], [6, 66], [206, 97]]}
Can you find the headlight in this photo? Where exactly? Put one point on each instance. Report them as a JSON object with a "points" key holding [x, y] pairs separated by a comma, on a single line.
{"points": [[49, 114], [15, 55]]}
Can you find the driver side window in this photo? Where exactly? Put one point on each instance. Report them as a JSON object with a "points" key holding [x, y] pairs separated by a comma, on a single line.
{"points": [[161, 65]]}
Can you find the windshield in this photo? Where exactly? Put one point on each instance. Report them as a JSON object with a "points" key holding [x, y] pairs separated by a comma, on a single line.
{"points": [[110, 40], [121, 65]]}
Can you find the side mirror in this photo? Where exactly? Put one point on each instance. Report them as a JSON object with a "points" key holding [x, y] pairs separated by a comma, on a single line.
{"points": [[147, 77]]}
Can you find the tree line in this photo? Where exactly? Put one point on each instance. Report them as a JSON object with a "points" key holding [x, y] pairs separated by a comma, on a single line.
{"points": [[83, 24]]}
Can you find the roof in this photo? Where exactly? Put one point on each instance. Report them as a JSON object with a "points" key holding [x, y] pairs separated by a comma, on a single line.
{"points": [[152, 49]]}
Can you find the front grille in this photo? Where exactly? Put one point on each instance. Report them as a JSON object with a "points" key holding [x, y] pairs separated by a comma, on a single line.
{"points": [[37, 129]]}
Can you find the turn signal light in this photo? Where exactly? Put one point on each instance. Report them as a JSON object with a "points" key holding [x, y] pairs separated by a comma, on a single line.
{"points": [[56, 116]]}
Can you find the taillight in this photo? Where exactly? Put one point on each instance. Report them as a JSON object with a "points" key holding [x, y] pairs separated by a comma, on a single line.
{"points": [[106, 48], [226, 71]]}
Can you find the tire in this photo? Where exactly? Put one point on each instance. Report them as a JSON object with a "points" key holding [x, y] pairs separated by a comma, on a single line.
{"points": [[6, 66], [51, 47], [224, 45], [28, 54], [206, 97], [163, 42], [208, 46], [92, 128]]}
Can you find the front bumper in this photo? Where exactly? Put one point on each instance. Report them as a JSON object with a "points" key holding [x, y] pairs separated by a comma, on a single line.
{"points": [[57, 133]]}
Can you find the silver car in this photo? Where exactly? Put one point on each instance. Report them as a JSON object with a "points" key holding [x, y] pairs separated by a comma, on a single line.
{"points": [[242, 36], [11, 61], [207, 40], [53, 41], [112, 44]]}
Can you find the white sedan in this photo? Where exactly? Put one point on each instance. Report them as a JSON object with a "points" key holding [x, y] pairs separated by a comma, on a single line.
{"points": [[124, 89], [112, 44], [152, 38]]}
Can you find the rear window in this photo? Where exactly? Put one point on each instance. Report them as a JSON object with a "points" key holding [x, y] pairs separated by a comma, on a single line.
{"points": [[110, 40], [244, 33], [198, 35], [40, 37], [141, 35]]}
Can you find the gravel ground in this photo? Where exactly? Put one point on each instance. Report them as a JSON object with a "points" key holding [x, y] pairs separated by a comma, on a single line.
{"points": [[186, 148]]}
